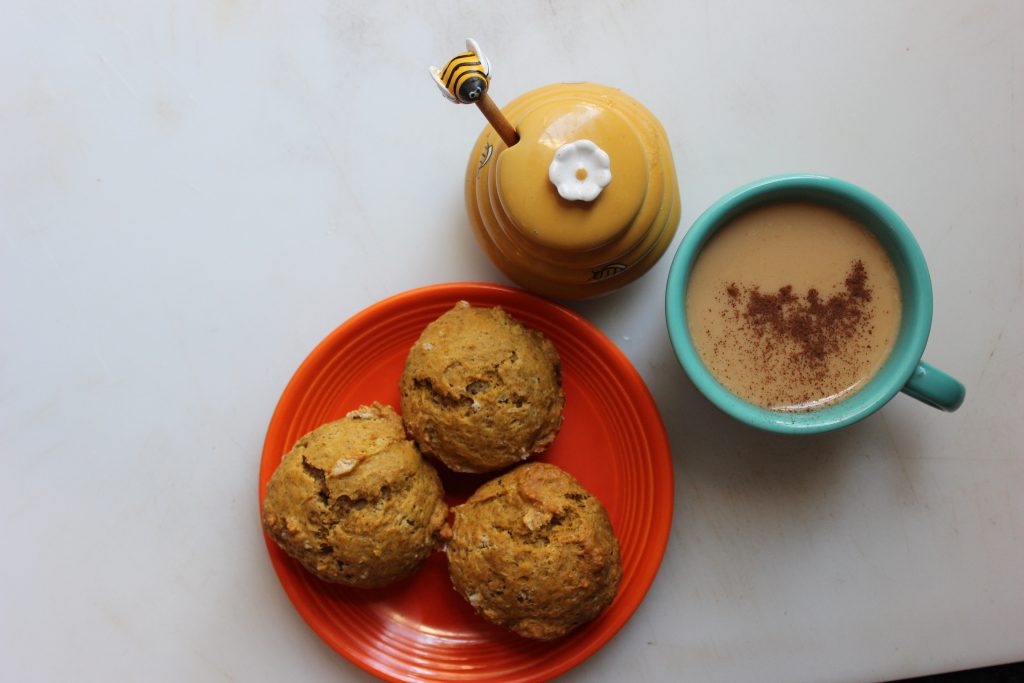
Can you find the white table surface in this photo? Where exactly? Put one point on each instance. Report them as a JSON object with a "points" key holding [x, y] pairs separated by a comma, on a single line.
{"points": [[192, 194]]}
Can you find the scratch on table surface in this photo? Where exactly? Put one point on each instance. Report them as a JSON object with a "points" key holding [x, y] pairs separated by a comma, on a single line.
{"points": [[195, 188], [895, 446], [212, 662], [341, 169], [889, 435], [328, 147], [966, 456], [49, 255], [103, 364], [992, 352], [1013, 97], [910, 482], [1020, 252], [117, 74]]}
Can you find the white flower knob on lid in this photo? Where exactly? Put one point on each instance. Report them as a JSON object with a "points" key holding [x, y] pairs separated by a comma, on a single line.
{"points": [[580, 170]]}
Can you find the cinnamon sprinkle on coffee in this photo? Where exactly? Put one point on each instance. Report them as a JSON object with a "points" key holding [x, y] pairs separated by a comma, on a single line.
{"points": [[806, 331], [817, 326]]}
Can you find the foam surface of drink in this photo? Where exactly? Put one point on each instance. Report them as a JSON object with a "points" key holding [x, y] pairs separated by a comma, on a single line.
{"points": [[793, 306]]}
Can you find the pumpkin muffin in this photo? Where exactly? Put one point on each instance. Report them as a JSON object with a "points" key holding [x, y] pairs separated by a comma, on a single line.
{"points": [[481, 391], [533, 551], [355, 503]]}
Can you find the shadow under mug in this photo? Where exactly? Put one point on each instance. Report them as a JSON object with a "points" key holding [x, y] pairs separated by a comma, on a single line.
{"points": [[902, 371]]}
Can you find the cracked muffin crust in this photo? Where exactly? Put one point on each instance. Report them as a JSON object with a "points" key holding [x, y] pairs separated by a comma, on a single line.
{"points": [[355, 503], [534, 551], [481, 391]]}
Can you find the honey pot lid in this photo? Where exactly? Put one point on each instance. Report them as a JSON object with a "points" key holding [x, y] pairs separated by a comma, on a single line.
{"points": [[576, 178]]}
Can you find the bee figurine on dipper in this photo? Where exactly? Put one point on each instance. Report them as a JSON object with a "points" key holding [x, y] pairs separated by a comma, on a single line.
{"points": [[464, 80], [466, 76]]}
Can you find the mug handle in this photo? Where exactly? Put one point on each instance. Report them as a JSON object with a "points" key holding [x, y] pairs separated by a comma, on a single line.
{"points": [[932, 386]]}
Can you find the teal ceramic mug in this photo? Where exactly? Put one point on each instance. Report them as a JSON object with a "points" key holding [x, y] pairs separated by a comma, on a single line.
{"points": [[903, 370]]}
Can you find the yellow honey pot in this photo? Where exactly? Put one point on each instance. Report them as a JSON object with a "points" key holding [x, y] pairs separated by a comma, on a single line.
{"points": [[587, 200]]}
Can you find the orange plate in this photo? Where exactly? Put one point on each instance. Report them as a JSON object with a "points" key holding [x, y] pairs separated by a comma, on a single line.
{"points": [[612, 441]]}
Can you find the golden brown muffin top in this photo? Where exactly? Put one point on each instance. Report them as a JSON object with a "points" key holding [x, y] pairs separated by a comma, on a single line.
{"points": [[534, 551], [481, 391], [354, 501]]}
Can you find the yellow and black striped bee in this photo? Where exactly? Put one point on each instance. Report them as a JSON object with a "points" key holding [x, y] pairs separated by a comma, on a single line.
{"points": [[465, 77]]}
